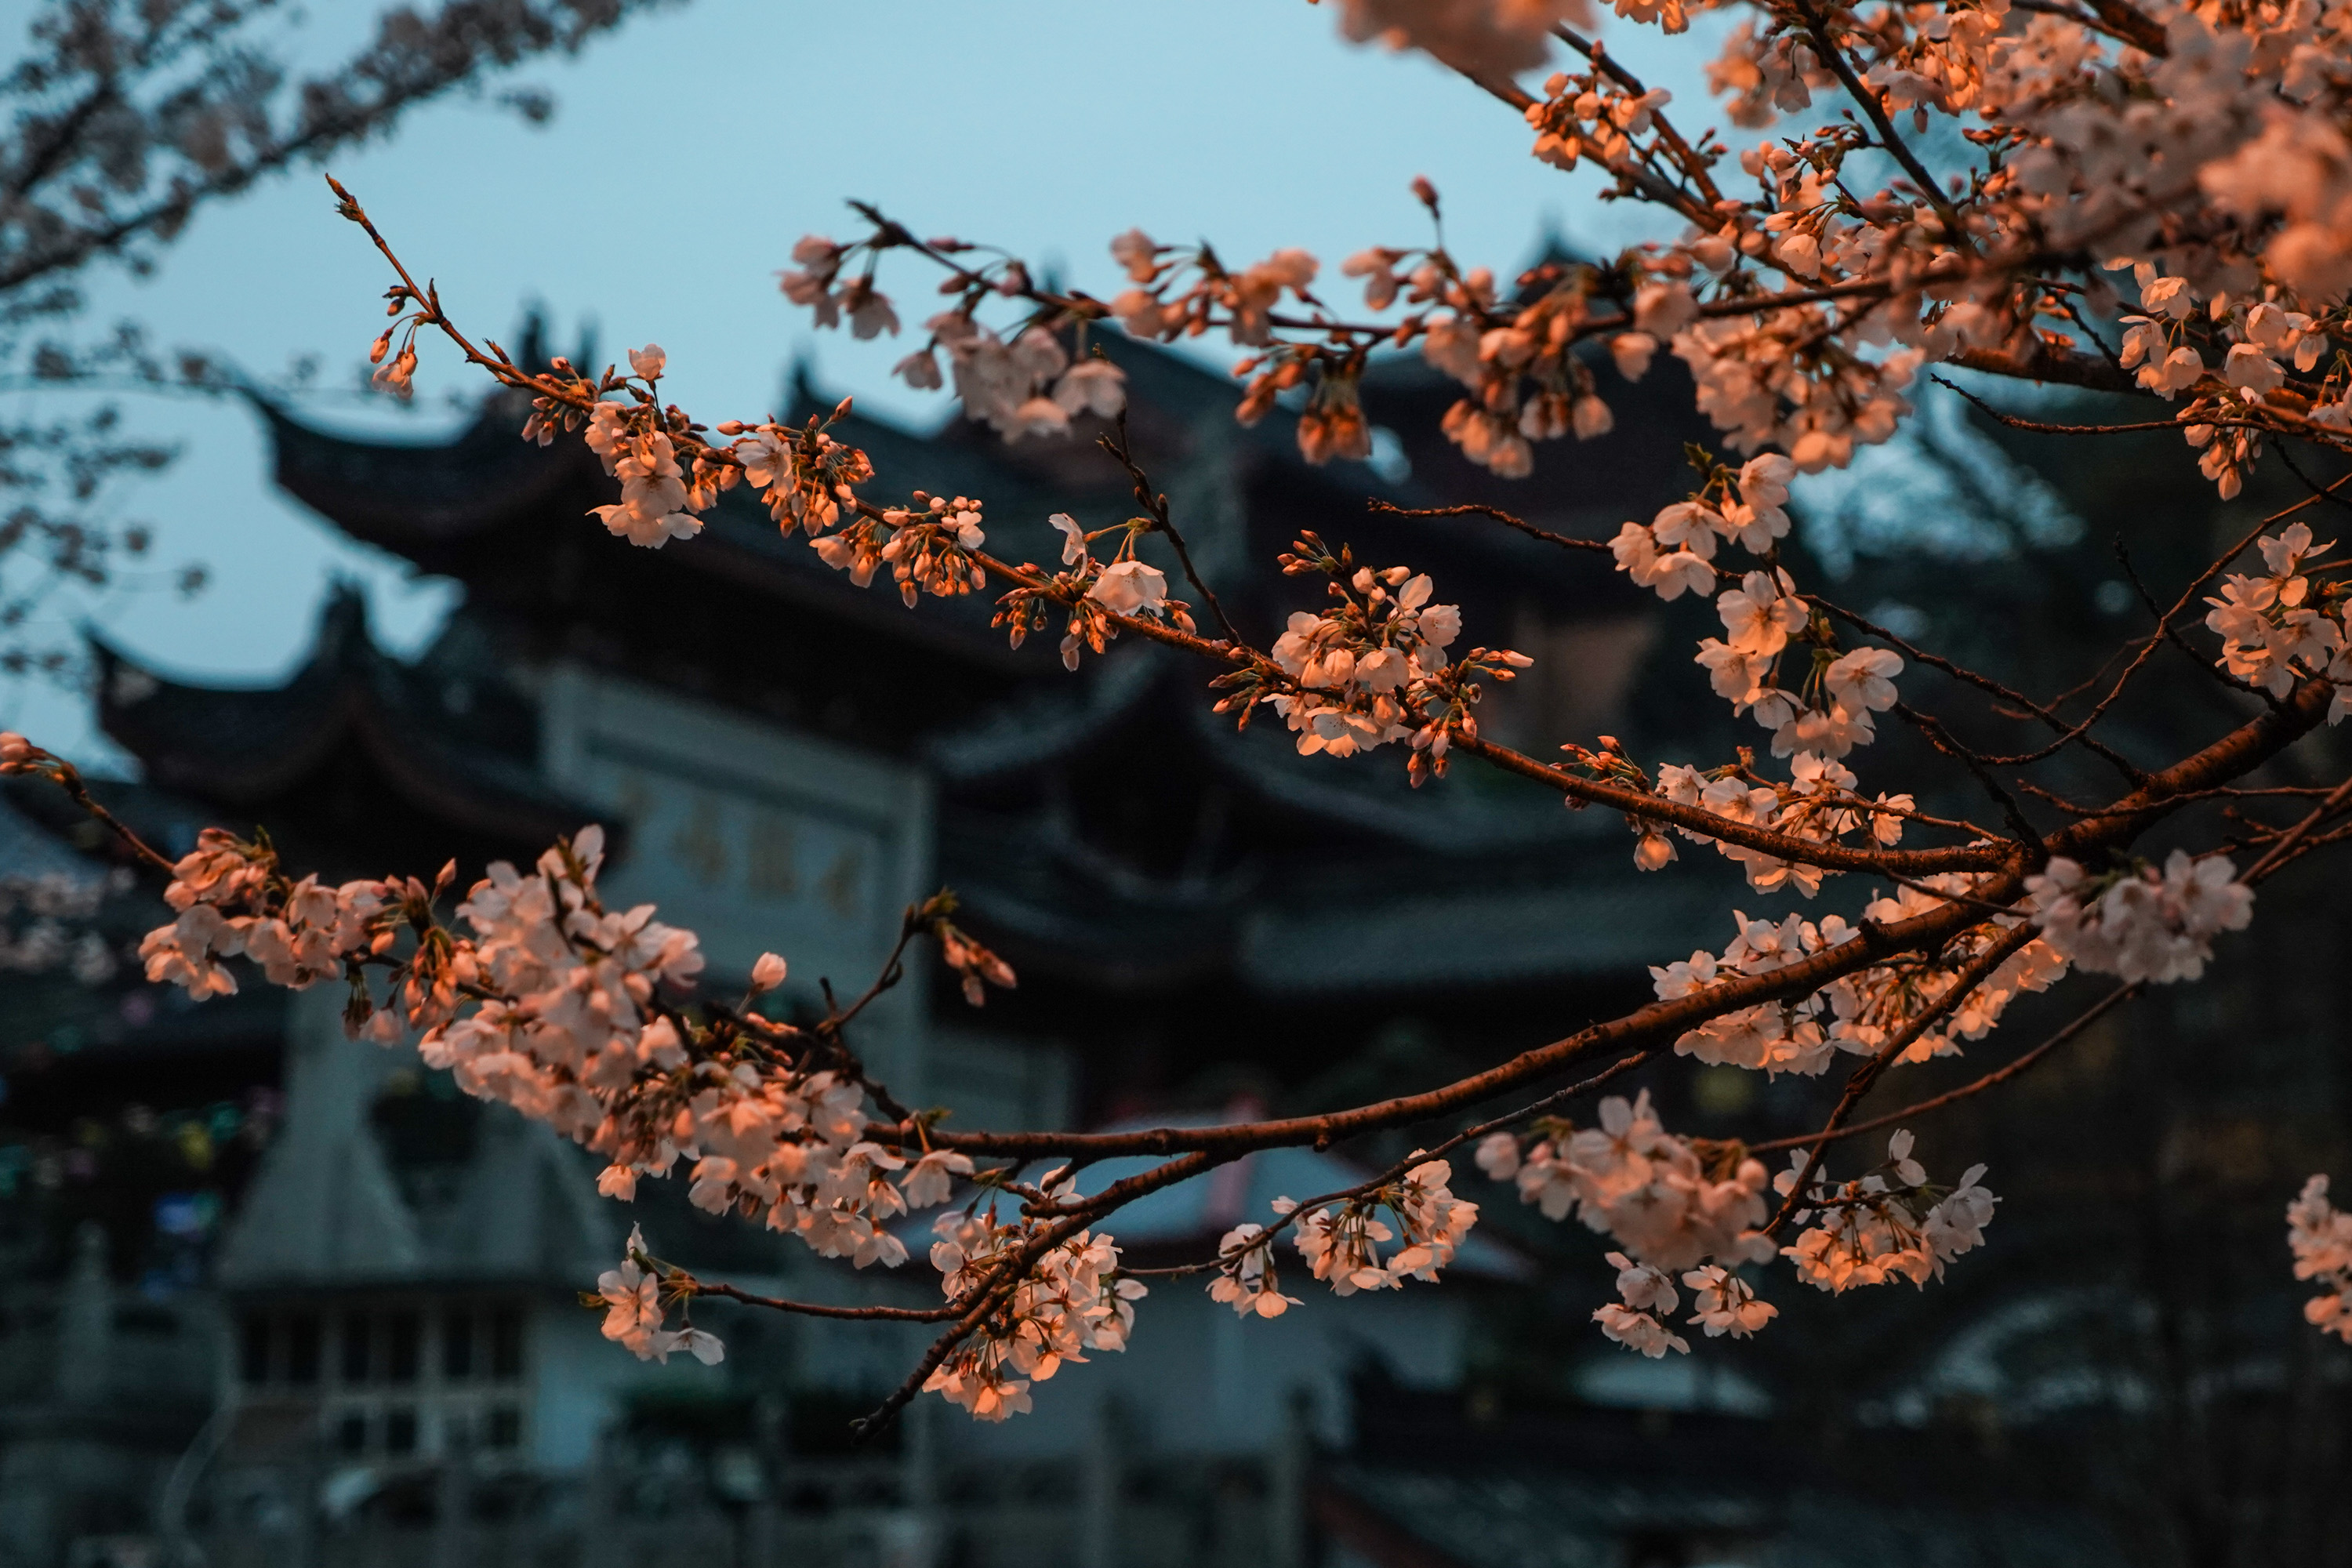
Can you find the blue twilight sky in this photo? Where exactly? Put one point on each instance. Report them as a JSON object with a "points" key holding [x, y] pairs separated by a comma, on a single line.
{"points": [[694, 145]]}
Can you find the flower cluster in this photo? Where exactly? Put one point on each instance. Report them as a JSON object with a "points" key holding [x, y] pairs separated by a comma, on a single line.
{"points": [[1631, 1179], [1357, 663], [1886, 1225], [553, 1004], [635, 1313], [816, 282], [1374, 666], [1722, 1303], [2141, 925], [2321, 1237], [810, 477], [1860, 1011], [233, 900], [2274, 631], [1089, 592], [1675, 550], [1245, 1277], [1341, 1242], [1070, 1300], [1026, 387], [1818, 804], [1020, 382], [658, 497], [1830, 712], [1587, 115]]}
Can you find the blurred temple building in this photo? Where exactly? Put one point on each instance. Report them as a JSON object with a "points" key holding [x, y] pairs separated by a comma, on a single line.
{"points": [[357, 1339]]}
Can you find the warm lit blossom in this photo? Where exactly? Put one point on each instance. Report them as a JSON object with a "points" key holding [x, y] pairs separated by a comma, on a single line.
{"points": [[2182, 177], [2143, 925], [2320, 1235], [1071, 1300], [636, 1312], [1888, 1225]]}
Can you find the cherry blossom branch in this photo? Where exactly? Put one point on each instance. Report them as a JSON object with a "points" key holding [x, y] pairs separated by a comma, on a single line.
{"points": [[1477, 508], [1693, 165], [1155, 503], [2001, 1075], [688, 1284], [1388, 1177], [1832, 856], [2259, 871], [2193, 418], [1834, 56], [2067, 734], [1858, 1083], [2279, 852]]}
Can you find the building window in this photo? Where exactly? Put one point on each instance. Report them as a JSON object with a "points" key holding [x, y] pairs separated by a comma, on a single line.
{"points": [[506, 1427], [506, 1342], [302, 1349], [456, 1367], [458, 1346], [355, 1347], [253, 1348], [406, 1333]]}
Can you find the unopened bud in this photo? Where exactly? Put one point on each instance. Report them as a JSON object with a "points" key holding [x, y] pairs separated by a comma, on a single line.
{"points": [[767, 973]]}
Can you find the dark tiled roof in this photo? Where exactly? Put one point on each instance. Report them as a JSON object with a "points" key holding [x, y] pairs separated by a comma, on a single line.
{"points": [[247, 747]]}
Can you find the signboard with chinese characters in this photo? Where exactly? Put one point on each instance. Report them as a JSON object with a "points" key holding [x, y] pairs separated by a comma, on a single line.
{"points": [[756, 838]]}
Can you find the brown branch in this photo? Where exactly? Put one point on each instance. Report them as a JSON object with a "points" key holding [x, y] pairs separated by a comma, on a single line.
{"points": [[688, 1285], [2044, 363], [2124, 22], [66, 777], [1956, 232], [1476, 509], [1155, 503], [2133, 773], [1858, 1083], [2278, 853], [1936, 1102]]}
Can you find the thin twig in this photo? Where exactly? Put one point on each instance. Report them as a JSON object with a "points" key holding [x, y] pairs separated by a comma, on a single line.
{"points": [[1859, 1082], [689, 1284], [1941, 738], [1998, 1076], [1476, 509], [1156, 504], [2133, 773]]}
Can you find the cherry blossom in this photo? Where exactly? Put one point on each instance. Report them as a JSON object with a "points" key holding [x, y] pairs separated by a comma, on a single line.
{"points": [[1638, 1321], [2157, 204], [634, 1313], [2143, 925], [1887, 1225], [1246, 1282], [2320, 1236]]}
